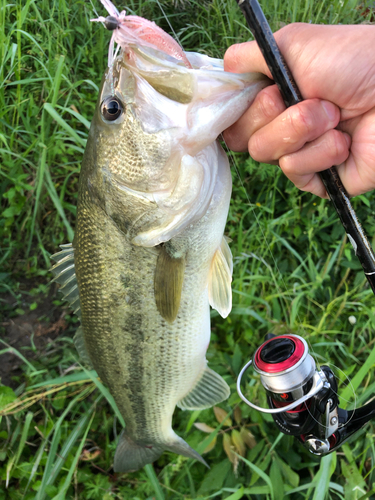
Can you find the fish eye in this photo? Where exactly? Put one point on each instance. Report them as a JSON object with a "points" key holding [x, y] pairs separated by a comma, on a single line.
{"points": [[111, 108]]}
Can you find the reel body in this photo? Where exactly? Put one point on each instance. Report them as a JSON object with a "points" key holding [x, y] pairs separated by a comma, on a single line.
{"points": [[302, 400]]}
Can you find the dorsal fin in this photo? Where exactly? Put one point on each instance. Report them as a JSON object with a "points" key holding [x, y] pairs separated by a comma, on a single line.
{"points": [[65, 275]]}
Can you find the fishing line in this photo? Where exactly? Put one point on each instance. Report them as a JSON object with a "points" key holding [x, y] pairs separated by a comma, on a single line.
{"points": [[94, 9], [341, 398], [169, 24], [345, 385], [286, 293]]}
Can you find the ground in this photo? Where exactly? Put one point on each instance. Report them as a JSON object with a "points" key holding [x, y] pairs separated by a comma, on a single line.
{"points": [[30, 332]]}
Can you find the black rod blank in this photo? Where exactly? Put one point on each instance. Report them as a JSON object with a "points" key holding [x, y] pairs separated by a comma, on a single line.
{"points": [[291, 95]]}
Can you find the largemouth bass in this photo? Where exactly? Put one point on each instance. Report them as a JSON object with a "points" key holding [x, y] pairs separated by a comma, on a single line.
{"points": [[149, 255]]}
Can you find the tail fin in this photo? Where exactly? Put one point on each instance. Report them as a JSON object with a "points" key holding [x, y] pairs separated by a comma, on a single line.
{"points": [[131, 456], [181, 447]]}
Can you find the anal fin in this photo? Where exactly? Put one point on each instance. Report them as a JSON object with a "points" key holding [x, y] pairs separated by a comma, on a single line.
{"points": [[169, 276], [210, 390]]}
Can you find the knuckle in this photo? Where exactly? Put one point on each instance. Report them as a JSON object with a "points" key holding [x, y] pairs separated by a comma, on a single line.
{"points": [[233, 57], [256, 147], [336, 145], [287, 164], [301, 120], [269, 102]]}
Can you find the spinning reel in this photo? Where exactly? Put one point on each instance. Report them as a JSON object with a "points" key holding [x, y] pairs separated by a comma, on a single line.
{"points": [[302, 400]]}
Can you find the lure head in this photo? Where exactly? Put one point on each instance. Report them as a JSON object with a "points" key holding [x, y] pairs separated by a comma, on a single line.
{"points": [[111, 23]]}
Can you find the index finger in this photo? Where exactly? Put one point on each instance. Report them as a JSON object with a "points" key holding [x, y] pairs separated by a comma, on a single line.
{"points": [[244, 58]]}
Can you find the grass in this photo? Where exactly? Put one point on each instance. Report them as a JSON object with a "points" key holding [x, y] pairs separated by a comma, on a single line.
{"points": [[294, 272]]}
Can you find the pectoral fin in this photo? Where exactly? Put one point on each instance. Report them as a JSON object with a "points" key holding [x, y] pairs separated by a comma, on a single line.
{"points": [[169, 276], [219, 285], [210, 390]]}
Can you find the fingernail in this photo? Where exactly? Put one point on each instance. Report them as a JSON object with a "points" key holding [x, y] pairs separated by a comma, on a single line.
{"points": [[330, 109]]}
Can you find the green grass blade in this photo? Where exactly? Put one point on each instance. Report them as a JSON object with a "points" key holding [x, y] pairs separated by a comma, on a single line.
{"points": [[107, 395], [64, 452], [55, 429], [154, 481], [73, 377], [12, 464], [39, 184], [52, 454], [73, 134], [237, 495], [260, 473], [68, 479], [347, 393], [38, 458], [56, 201], [57, 81], [15, 352], [321, 480], [79, 117]]}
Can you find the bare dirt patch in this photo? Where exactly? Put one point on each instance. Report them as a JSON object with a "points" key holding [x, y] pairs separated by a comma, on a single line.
{"points": [[38, 327]]}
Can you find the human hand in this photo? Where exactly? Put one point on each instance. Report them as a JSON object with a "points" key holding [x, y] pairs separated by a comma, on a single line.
{"points": [[334, 68]]}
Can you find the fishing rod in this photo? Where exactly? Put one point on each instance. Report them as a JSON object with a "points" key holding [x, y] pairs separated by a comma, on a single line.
{"points": [[303, 400]]}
